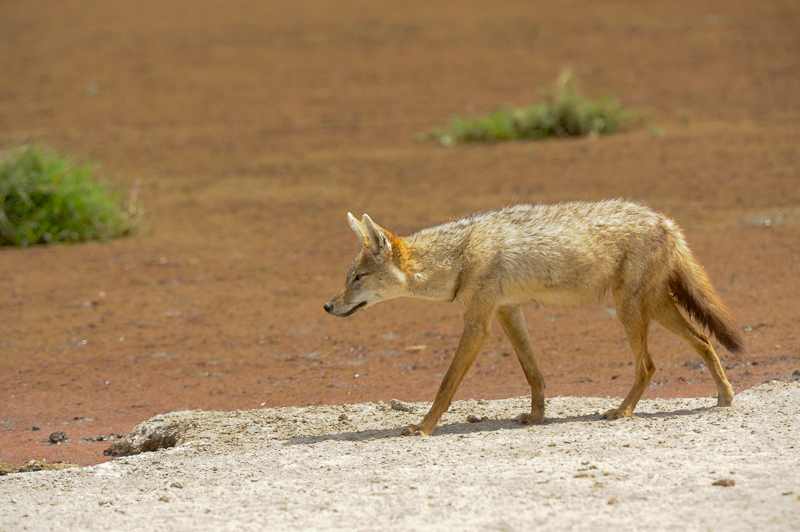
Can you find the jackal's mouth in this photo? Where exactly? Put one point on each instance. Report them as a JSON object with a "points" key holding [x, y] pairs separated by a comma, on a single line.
{"points": [[352, 310]]}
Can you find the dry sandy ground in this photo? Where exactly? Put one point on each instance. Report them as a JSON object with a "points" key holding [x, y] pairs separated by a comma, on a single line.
{"points": [[346, 467]]}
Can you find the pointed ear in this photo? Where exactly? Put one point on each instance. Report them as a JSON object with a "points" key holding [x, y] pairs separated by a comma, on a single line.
{"points": [[376, 236], [355, 225]]}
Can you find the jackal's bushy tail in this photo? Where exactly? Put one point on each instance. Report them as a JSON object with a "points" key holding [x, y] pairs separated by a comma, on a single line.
{"points": [[693, 291]]}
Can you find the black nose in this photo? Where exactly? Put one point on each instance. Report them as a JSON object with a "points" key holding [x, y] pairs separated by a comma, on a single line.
{"points": [[328, 308]]}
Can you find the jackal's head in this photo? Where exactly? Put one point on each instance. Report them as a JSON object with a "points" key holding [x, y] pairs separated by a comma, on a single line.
{"points": [[376, 273]]}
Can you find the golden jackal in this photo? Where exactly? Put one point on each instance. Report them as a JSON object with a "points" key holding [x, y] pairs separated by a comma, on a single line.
{"points": [[566, 254]]}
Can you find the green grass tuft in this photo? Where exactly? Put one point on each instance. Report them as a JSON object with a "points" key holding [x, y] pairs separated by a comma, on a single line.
{"points": [[564, 113], [45, 197]]}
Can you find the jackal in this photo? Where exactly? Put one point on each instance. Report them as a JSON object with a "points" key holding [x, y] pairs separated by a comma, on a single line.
{"points": [[567, 254]]}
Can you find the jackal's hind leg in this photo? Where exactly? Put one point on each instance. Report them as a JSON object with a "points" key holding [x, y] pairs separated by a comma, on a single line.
{"points": [[670, 317], [513, 321], [635, 322]]}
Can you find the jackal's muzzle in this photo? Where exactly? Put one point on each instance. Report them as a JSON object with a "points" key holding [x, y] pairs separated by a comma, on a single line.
{"points": [[330, 309]]}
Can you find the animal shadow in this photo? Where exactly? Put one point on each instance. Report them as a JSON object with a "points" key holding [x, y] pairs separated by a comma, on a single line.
{"points": [[489, 425]]}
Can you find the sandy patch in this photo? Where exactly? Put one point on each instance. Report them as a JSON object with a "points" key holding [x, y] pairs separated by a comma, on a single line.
{"points": [[346, 467]]}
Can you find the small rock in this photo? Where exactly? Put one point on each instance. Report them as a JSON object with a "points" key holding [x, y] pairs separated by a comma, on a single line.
{"points": [[163, 498], [147, 437], [472, 418], [612, 500], [43, 465], [6, 468], [344, 417], [35, 428], [58, 437], [400, 405], [725, 482], [177, 485]]}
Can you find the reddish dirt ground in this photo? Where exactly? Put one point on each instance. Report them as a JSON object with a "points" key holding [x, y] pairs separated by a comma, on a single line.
{"points": [[254, 127]]}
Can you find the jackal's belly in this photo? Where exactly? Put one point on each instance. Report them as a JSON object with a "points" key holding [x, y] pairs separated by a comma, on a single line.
{"points": [[557, 296], [572, 278]]}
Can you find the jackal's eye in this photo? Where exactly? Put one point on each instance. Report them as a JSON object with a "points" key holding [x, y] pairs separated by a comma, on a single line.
{"points": [[358, 277]]}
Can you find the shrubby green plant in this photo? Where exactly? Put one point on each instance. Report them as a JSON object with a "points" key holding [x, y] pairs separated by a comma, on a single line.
{"points": [[46, 197], [563, 113]]}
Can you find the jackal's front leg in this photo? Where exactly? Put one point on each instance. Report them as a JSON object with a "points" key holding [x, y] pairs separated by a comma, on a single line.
{"points": [[475, 334]]}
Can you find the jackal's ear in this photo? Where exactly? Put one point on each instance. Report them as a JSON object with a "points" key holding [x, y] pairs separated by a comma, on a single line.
{"points": [[376, 237], [356, 226]]}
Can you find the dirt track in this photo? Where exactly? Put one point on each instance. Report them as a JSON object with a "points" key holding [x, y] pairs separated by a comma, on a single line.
{"points": [[254, 129]]}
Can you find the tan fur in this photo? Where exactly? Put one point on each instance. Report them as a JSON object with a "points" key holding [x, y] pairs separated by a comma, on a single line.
{"points": [[566, 254]]}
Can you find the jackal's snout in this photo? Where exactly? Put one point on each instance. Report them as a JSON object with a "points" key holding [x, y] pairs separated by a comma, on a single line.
{"points": [[343, 311]]}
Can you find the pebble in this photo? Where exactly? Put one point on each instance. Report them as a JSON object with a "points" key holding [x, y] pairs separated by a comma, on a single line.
{"points": [[396, 404], [58, 437]]}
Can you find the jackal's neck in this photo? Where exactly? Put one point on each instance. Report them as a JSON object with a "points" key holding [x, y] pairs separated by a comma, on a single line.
{"points": [[431, 265]]}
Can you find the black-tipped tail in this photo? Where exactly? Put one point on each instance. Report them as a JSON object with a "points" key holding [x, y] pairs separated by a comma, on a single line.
{"points": [[692, 290]]}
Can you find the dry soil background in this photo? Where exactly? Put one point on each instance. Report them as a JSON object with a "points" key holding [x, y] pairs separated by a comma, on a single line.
{"points": [[253, 127]]}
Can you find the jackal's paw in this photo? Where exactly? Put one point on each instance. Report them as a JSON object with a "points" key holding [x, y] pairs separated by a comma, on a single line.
{"points": [[415, 430], [534, 418], [724, 401], [615, 413]]}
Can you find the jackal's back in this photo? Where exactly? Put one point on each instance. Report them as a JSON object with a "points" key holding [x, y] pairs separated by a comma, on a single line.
{"points": [[525, 226]]}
